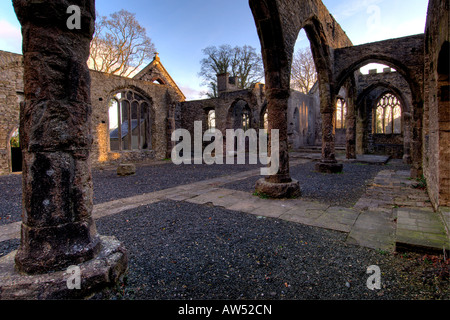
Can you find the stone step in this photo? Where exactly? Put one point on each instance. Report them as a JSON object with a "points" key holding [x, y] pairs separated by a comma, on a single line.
{"points": [[421, 230], [445, 215], [316, 149]]}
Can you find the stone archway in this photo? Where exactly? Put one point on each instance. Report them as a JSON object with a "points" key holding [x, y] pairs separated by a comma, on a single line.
{"points": [[239, 115], [278, 24], [364, 105], [406, 55], [14, 151]]}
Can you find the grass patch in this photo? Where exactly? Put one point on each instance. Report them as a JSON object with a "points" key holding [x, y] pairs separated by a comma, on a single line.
{"points": [[421, 183], [261, 195]]}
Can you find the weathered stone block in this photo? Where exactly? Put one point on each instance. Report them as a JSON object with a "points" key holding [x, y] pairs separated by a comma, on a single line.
{"points": [[126, 169]]}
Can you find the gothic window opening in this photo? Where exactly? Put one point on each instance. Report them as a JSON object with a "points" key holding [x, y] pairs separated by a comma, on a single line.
{"points": [[388, 115], [245, 120], [129, 121], [16, 152], [239, 116], [266, 121], [341, 114], [296, 119], [211, 119]]}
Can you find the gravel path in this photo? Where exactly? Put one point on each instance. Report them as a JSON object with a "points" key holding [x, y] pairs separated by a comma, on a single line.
{"points": [[342, 189], [180, 250], [108, 186], [10, 198], [183, 251]]}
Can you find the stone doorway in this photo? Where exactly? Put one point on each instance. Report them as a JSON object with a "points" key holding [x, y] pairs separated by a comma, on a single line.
{"points": [[15, 152]]}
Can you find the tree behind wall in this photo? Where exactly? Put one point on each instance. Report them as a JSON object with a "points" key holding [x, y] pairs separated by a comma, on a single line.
{"points": [[240, 62], [120, 45], [303, 74]]}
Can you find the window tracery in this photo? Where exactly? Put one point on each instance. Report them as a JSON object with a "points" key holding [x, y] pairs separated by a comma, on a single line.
{"points": [[129, 121], [388, 115]]}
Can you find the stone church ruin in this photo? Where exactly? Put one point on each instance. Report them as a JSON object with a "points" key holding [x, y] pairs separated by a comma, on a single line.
{"points": [[70, 119]]}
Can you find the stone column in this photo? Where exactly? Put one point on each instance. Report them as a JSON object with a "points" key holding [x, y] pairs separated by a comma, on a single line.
{"points": [[60, 254], [279, 185], [328, 163], [407, 132], [351, 137], [350, 124], [57, 227], [416, 141]]}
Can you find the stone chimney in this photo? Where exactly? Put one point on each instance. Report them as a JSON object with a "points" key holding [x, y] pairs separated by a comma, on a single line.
{"points": [[226, 83], [222, 82]]}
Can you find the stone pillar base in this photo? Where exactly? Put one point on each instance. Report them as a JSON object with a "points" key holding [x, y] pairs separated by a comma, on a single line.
{"points": [[102, 272], [278, 190], [329, 167]]}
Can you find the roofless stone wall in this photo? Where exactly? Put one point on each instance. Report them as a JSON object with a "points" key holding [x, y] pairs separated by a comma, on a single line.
{"points": [[103, 86], [436, 135]]}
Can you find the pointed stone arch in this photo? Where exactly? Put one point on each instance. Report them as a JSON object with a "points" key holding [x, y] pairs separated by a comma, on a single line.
{"points": [[406, 55], [278, 24]]}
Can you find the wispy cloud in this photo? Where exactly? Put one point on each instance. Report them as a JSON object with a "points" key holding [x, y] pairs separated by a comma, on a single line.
{"points": [[10, 37], [191, 93], [394, 30], [348, 9]]}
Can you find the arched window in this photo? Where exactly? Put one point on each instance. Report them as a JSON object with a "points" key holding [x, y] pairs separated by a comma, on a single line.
{"points": [[239, 116], [129, 121], [296, 119], [245, 119], [388, 115], [341, 113], [16, 152], [158, 81], [266, 120], [211, 119]]}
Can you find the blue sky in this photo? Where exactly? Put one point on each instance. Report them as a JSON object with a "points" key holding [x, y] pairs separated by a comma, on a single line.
{"points": [[180, 29]]}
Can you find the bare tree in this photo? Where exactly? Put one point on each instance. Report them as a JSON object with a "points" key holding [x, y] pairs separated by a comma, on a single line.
{"points": [[303, 73], [120, 44], [241, 62], [217, 61], [247, 66]]}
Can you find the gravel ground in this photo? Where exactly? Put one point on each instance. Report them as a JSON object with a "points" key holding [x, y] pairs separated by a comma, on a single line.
{"points": [[183, 251], [10, 198], [343, 189], [7, 246], [179, 250], [108, 186]]}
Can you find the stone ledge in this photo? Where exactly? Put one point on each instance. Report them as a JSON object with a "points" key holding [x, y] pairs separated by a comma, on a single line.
{"points": [[102, 272]]}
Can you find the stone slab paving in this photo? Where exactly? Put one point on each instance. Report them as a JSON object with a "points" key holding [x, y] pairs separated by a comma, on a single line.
{"points": [[365, 158], [374, 229], [421, 229], [445, 214], [398, 216]]}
